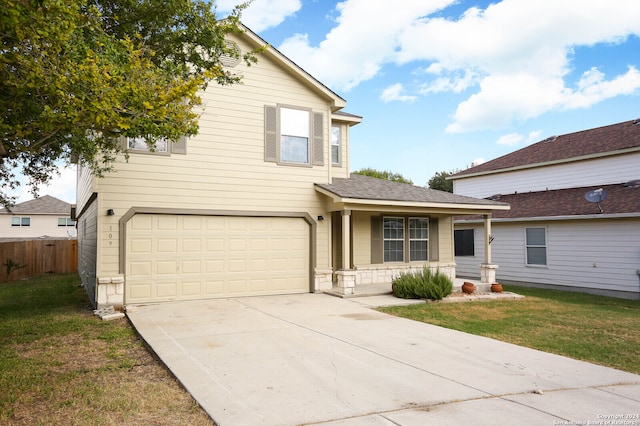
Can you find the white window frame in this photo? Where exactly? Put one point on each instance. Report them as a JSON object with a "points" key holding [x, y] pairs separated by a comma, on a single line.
{"points": [[396, 239], [21, 221], [421, 239], [295, 126], [534, 246], [140, 145], [336, 136], [67, 221]]}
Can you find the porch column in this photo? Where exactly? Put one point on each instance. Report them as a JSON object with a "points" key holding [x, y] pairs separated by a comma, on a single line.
{"points": [[346, 277], [346, 239], [487, 269]]}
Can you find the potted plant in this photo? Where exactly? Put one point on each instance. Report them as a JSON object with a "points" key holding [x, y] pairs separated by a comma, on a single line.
{"points": [[468, 287]]}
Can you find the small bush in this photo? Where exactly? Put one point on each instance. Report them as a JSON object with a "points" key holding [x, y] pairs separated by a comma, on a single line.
{"points": [[422, 285]]}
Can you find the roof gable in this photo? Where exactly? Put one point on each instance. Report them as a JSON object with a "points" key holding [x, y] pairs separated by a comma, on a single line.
{"points": [[41, 205], [337, 102], [621, 199], [598, 142], [368, 188]]}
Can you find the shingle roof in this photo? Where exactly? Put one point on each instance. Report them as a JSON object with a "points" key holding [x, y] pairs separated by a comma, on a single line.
{"points": [[601, 140], [369, 188], [41, 205], [620, 199]]}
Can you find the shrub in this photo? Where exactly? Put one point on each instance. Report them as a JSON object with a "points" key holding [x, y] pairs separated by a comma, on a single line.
{"points": [[425, 284]]}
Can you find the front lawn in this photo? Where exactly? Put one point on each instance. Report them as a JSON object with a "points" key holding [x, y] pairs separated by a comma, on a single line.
{"points": [[601, 330], [61, 365]]}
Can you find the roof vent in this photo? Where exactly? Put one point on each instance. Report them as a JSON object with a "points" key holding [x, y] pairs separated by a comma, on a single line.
{"points": [[550, 139], [636, 121], [494, 197], [632, 183]]}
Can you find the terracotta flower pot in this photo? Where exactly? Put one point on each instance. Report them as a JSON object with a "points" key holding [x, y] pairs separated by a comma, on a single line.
{"points": [[468, 287], [496, 288]]}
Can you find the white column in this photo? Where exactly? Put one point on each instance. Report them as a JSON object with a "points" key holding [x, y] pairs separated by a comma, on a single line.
{"points": [[346, 239], [487, 236]]}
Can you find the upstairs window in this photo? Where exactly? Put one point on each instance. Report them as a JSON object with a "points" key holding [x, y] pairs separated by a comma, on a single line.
{"points": [[335, 145], [162, 146], [66, 221], [536, 246], [293, 136], [20, 221]]}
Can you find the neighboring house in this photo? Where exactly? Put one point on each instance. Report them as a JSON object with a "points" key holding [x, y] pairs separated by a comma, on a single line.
{"points": [[553, 236], [259, 202], [42, 217]]}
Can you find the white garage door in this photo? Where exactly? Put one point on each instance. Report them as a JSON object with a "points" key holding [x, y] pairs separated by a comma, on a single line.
{"points": [[175, 257]]}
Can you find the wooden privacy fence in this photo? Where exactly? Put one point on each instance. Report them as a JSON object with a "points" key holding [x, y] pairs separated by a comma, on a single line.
{"points": [[37, 257]]}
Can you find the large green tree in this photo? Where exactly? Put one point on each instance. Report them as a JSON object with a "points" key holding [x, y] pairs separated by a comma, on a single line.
{"points": [[439, 181], [78, 75], [383, 174]]}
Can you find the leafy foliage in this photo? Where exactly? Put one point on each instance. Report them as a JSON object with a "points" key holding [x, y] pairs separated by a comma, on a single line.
{"points": [[439, 181], [386, 175], [78, 75], [425, 284]]}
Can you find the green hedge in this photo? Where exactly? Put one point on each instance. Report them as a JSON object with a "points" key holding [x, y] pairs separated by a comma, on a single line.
{"points": [[422, 285]]}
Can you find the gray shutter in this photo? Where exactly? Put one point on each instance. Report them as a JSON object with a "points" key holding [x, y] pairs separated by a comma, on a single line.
{"points": [[377, 251], [179, 147], [434, 250], [270, 134], [318, 139]]}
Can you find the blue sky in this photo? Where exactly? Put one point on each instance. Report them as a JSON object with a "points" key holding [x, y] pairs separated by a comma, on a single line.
{"points": [[442, 84]]}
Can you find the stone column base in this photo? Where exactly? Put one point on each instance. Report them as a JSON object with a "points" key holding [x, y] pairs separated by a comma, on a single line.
{"points": [[488, 272], [346, 281], [110, 291]]}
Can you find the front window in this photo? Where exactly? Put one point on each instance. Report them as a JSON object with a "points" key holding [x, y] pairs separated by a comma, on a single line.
{"points": [[536, 246], [393, 231], [20, 221], [335, 145], [66, 221], [418, 239], [294, 136]]}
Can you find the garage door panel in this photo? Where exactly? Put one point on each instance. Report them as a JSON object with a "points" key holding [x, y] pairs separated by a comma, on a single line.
{"points": [[190, 257]]}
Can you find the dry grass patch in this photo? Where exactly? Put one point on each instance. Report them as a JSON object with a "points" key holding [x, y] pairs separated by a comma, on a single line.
{"points": [[60, 365]]}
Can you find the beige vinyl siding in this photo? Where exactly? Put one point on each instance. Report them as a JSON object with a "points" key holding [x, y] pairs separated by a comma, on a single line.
{"points": [[84, 186], [361, 226], [445, 241], [224, 168]]}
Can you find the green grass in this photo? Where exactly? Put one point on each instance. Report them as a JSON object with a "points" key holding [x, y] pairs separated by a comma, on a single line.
{"points": [[60, 364], [597, 329]]}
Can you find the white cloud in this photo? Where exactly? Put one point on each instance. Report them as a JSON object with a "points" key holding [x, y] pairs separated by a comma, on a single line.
{"points": [[393, 93], [514, 55], [364, 39], [512, 139], [262, 14]]}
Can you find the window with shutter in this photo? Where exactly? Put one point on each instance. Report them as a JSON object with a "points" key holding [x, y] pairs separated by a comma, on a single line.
{"points": [[293, 136]]}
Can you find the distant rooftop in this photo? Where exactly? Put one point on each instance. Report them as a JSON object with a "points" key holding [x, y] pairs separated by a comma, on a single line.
{"points": [[41, 205], [600, 141]]}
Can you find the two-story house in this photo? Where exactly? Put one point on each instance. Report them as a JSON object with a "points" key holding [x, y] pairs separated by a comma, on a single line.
{"points": [[574, 221], [260, 202], [42, 217]]}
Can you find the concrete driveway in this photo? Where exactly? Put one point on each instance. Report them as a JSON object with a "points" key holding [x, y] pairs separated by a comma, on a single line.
{"points": [[318, 359]]}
